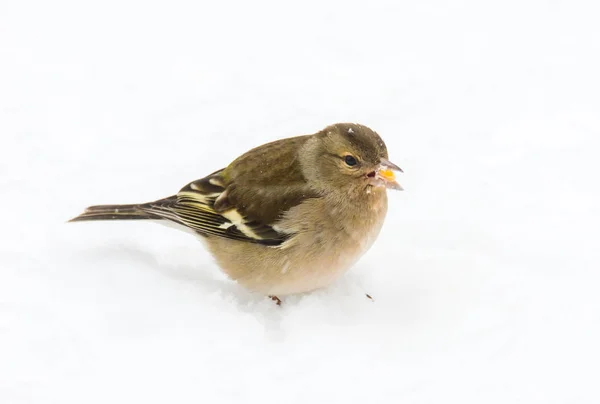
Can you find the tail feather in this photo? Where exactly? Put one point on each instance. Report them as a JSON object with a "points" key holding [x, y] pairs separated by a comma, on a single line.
{"points": [[115, 212]]}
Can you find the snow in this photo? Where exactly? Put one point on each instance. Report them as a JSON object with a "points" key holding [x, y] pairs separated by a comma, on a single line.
{"points": [[484, 278]]}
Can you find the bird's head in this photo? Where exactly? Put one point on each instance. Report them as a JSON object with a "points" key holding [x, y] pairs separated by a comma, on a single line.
{"points": [[349, 156]]}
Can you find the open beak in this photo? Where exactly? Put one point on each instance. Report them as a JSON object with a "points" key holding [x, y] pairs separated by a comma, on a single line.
{"points": [[385, 172]]}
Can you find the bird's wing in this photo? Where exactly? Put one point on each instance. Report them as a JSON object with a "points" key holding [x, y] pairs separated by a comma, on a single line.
{"points": [[194, 208], [242, 202]]}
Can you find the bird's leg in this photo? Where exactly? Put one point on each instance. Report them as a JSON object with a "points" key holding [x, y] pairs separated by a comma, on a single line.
{"points": [[276, 300], [369, 297]]}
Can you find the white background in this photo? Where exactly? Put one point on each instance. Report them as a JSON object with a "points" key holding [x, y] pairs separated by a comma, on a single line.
{"points": [[485, 276]]}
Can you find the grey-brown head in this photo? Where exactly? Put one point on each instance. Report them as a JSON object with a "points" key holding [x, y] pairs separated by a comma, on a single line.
{"points": [[349, 156]]}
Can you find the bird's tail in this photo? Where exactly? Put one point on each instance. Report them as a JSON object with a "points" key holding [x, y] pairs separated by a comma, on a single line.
{"points": [[115, 212]]}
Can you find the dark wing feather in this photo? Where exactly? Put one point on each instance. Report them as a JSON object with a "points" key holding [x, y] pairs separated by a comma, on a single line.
{"points": [[245, 200], [267, 181]]}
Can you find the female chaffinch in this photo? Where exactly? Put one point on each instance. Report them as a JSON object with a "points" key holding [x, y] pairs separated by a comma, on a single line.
{"points": [[286, 217]]}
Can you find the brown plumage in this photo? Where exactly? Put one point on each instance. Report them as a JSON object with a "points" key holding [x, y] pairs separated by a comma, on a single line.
{"points": [[286, 217]]}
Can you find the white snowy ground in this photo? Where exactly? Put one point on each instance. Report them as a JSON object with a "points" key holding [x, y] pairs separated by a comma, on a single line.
{"points": [[485, 276]]}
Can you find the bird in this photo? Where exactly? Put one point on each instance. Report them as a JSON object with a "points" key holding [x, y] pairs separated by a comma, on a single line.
{"points": [[288, 217]]}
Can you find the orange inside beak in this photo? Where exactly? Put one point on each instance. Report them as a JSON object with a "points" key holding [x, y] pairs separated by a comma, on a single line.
{"points": [[387, 174]]}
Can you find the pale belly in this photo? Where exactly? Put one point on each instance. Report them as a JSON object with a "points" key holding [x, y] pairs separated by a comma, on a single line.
{"points": [[322, 251]]}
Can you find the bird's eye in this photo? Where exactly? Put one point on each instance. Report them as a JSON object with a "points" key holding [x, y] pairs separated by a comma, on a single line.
{"points": [[350, 161]]}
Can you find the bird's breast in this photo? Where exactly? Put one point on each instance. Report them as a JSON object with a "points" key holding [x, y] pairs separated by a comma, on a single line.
{"points": [[336, 234], [329, 235]]}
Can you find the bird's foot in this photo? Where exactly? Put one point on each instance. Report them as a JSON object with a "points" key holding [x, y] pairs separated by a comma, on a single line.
{"points": [[276, 300], [369, 297]]}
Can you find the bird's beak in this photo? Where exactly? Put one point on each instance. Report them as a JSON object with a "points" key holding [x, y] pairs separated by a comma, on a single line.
{"points": [[386, 173]]}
